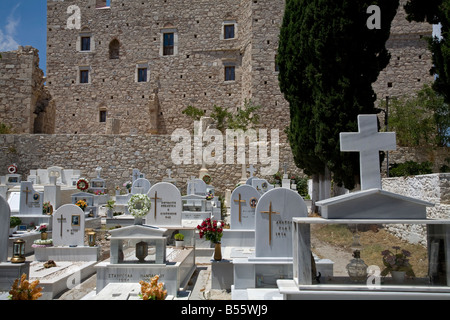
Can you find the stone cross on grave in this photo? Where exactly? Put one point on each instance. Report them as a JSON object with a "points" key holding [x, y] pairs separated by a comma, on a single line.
{"points": [[27, 191], [155, 197], [270, 212], [239, 202], [251, 170], [61, 220], [98, 171], [169, 173], [368, 142], [285, 175]]}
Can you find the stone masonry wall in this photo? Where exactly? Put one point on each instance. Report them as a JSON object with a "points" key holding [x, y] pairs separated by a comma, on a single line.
{"points": [[194, 75], [434, 188], [118, 155], [24, 101]]}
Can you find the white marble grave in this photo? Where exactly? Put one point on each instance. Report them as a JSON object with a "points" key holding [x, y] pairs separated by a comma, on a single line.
{"points": [[69, 226], [244, 200], [262, 185], [166, 205], [31, 201], [8, 271], [141, 186], [174, 266]]}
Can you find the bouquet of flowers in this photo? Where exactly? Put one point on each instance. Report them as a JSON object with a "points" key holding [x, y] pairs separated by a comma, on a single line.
{"points": [[397, 261], [47, 208], [139, 205], [211, 230], [82, 204], [24, 290], [43, 228], [209, 196], [152, 290], [128, 185]]}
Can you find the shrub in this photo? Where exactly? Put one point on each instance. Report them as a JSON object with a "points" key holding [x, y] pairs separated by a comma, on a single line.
{"points": [[410, 168]]}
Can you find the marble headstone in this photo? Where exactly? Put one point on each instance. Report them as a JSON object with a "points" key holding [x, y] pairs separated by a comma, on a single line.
{"points": [[166, 205], [31, 201], [141, 186], [197, 186], [262, 185], [273, 223], [244, 200], [5, 214], [68, 226]]}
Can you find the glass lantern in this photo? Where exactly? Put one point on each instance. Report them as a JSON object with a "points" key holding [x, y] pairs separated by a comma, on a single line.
{"points": [[357, 269], [92, 235], [18, 251], [141, 251]]}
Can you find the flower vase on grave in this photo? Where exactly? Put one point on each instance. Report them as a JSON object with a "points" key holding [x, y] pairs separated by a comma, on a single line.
{"points": [[398, 276], [44, 235], [217, 251]]}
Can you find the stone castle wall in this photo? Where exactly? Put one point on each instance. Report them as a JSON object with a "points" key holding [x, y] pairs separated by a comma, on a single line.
{"points": [[118, 156], [410, 62], [24, 101], [194, 75]]}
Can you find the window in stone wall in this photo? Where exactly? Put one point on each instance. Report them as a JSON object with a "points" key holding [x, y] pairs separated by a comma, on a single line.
{"points": [[114, 49], [102, 116], [229, 30], [230, 73], [84, 75], [168, 44], [169, 40], [142, 74], [86, 43]]}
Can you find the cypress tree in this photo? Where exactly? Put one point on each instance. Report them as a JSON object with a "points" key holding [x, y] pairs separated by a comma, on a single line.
{"points": [[328, 60]]}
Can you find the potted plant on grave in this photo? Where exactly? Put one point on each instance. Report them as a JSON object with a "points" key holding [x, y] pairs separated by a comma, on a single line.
{"points": [[179, 240], [13, 223], [152, 290], [82, 204], [397, 264], [43, 230], [212, 231], [128, 185], [110, 205], [47, 208]]}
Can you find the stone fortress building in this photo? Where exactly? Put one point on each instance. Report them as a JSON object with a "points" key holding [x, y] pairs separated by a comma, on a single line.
{"points": [[132, 66]]}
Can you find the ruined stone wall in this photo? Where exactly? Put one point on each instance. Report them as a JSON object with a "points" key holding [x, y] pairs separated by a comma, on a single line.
{"points": [[24, 100], [410, 64]]}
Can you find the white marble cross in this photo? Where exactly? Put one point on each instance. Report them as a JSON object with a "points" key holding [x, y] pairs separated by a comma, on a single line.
{"points": [[251, 170], [169, 172], [368, 142]]}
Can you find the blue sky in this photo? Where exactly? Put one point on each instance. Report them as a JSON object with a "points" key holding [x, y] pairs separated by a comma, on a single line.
{"points": [[24, 22]]}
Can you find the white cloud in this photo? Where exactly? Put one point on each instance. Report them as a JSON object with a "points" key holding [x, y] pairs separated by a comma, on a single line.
{"points": [[7, 41]]}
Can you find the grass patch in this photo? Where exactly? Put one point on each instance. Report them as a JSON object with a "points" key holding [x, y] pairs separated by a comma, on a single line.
{"points": [[373, 243]]}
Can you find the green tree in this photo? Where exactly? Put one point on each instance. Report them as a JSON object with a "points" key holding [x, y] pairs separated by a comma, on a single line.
{"points": [[434, 12], [421, 120], [328, 60], [193, 112]]}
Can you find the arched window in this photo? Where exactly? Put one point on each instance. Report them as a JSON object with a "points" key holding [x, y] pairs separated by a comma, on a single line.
{"points": [[114, 49]]}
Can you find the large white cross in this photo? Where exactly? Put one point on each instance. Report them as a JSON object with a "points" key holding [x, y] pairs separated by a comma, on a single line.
{"points": [[368, 142]]}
